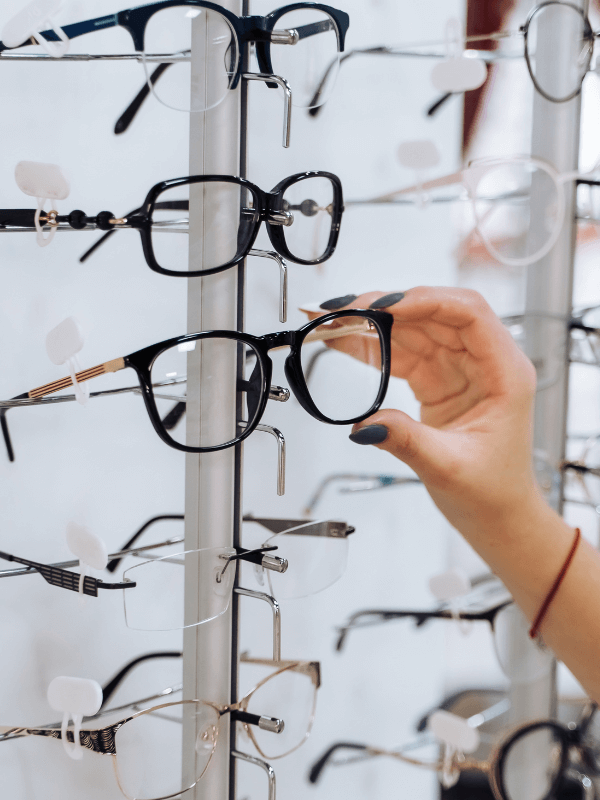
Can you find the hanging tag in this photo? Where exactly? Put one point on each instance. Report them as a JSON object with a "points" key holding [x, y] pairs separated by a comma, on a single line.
{"points": [[419, 155], [75, 698], [62, 345], [449, 587], [457, 737], [457, 73], [29, 21], [44, 182], [88, 548]]}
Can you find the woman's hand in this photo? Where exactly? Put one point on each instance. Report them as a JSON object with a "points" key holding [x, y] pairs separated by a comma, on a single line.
{"points": [[473, 446]]}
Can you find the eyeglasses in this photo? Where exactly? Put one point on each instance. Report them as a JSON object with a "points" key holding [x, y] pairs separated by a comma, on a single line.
{"points": [[308, 205], [567, 750], [293, 43], [146, 746], [354, 391], [549, 16], [356, 482], [513, 230], [153, 591], [501, 617], [314, 552]]}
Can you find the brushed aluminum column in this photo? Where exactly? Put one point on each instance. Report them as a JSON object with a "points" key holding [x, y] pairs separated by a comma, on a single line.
{"points": [[210, 481]]}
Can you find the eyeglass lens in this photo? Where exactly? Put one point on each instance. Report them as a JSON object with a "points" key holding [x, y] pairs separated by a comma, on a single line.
{"points": [[216, 56], [504, 198], [149, 749], [304, 63], [531, 764], [311, 204], [211, 420], [314, 564], [228, 211], [156, 603], [346, 386], [290, 696], [548, 72]]}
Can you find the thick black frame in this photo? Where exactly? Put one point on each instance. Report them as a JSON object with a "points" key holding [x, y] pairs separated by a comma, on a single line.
{"points": [[260, 381], [140, 219], [248, 29], [142, 361]]}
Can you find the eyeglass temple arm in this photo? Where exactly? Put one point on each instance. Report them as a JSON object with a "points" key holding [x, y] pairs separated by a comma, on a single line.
{"points": [[173, 205], [317, 768], [446, 180], [276, 615], [341, 476], [476, 720], [132, 109], [113, 684], [258, 762], [65, 579], [114, 563]]}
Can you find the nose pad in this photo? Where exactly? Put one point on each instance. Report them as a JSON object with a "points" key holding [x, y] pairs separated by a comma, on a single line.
{"points": [[206, 739]]}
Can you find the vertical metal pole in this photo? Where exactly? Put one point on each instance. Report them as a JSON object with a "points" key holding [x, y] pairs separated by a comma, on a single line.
{"points": [[210, 480], [555, 138]]}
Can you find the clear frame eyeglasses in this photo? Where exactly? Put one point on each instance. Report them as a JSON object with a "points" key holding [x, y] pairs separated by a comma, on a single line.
{"points": [[162, 372], [153, 590], [514, 230], [570, 751], [146, 747]]}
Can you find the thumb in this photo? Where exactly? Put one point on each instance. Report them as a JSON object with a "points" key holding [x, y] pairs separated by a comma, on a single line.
{"points": [[420, 446]]}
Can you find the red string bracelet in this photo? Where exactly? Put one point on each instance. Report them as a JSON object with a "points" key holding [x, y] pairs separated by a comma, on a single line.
{"points": [[533, 631]]}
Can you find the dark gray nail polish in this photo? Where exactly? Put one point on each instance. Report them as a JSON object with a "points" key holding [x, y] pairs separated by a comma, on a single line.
{"points": [[370, 434], [338, 302], [387, 300]]}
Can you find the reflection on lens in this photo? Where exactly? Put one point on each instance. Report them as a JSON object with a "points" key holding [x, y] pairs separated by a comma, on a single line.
{"points": [[315, 55], [505, 196], [311, 204], [532, 763], [314, 563], [156, 603], [290, 696], [558, 75], [201, 83], [210, 419], [150, 746], [521, 659], [228, 217], [344, 385]]}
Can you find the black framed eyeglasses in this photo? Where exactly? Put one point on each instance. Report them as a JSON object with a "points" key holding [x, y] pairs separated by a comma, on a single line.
{"points": [[291, 43], [355, 390], [302, 213]]}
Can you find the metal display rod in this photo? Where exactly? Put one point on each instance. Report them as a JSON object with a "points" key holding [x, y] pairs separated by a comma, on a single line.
{"points": [[211, 479], [555, 138]]}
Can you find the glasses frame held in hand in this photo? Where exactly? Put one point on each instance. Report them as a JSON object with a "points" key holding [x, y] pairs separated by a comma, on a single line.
{"points": [[378, 322]]}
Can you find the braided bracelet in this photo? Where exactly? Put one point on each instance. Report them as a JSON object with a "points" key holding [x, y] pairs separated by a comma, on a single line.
{"points": [[533, 631]]}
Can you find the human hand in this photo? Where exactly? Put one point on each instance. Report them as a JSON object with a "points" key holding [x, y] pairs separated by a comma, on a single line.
{"points": [[473, 446]]}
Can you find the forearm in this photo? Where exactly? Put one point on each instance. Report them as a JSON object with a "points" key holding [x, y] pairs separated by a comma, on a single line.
{"points": [[527, 549]]}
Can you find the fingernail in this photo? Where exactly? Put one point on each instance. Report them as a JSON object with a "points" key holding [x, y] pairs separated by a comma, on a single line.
{"points": [[388, 300], [338, 302], [370, 434]]}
